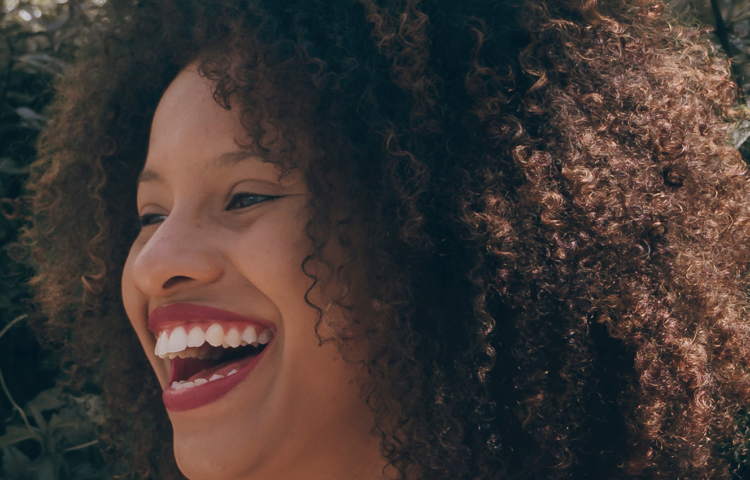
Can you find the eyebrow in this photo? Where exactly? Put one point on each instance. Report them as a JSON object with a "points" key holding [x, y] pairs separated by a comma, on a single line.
{"points": [[224, 160], [231, 158], [149, 176]]}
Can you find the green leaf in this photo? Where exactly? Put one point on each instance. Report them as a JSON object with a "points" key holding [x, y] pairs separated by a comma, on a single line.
{"points": [[38, 417], [8, 167], [40, 63], [739, 134], [90, 407], [56, 24], [17, 465], [56, 422], [16, 434], [47, 400], [31, 119], [46, 469], [84, 470]]}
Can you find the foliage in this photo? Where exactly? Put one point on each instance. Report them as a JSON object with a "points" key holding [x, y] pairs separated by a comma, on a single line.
{"points": [[38, 41], [62, 427]]}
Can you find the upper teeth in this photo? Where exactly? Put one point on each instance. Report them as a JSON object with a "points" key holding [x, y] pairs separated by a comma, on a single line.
{"points": [[169, 344]]}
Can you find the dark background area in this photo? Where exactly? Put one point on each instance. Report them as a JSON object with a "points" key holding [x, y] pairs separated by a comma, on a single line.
{"points": [[46, 433]]}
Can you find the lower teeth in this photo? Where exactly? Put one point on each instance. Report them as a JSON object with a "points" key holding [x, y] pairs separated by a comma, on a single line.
{"points": [[183, 384]]}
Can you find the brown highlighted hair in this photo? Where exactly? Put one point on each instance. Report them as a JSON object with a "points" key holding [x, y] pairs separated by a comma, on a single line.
{"points": [[555, 234]]}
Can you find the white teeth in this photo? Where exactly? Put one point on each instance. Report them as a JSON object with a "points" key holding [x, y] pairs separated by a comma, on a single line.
{"points": [[234, 370], [182, 385], [233, 338], [249, 335], [181, 344], [265, 336], [177, 340], [215, 335], [161, 345], [196, 337]]}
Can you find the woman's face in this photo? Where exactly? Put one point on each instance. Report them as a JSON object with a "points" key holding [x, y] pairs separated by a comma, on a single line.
{"points": [[215, 280]]}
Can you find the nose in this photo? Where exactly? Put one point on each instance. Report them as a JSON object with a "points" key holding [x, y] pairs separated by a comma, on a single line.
{"points": [[180, 255]]}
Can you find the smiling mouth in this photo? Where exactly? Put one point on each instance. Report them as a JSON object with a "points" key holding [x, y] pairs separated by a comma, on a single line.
{"points": [[210, 351], [206, 352]]}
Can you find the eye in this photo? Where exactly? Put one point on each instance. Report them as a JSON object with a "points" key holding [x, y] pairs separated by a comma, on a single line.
{"points": [[151, 219], [244, 200]]}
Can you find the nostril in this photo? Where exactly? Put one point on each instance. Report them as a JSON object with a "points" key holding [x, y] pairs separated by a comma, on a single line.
{"points": [[174, 281]]}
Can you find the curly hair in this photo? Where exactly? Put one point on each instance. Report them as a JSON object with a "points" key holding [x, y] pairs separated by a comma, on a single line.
{"points": [[555, 233]]}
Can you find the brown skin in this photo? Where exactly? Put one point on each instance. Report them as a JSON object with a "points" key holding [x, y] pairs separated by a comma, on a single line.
{"points": [[554, 235], [299, 414]]}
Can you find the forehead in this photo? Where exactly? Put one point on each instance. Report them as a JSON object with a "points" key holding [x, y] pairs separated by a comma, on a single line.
{"points": [[187, 114], [191, 134]]}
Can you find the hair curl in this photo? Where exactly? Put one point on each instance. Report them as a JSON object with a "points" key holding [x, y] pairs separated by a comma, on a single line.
{"points": [[555, 234]]}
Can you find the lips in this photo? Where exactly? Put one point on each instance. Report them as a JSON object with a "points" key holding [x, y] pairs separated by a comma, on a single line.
{"points": [[180, 313], [202, 394], [219, 352]]}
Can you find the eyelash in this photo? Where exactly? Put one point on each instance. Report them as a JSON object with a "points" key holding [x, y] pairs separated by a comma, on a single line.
{"points": [[152, 218], [244, 195]]}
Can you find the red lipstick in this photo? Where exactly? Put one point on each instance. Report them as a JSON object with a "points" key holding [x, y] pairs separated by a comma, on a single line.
{"points": [[195, 383], [167, 316], [201, 395]]}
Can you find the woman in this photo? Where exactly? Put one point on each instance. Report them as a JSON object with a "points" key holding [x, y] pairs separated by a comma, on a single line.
{"points": [[479, 239]]}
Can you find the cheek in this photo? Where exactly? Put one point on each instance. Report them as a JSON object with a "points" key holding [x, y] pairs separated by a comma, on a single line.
{"points": [[273, 254], [132, 299], [136, 308]]}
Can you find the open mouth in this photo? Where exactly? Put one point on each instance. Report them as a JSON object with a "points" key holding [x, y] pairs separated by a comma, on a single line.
{"points": [[204, 352], [223, 362]]}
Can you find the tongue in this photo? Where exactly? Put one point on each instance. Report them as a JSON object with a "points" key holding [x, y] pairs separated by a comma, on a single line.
{"points": [[192, 368], [183, 368], [223, 369]]}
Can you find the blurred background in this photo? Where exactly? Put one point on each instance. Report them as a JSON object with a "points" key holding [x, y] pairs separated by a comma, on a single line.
{"points": [[45, 434], [48, 433]]}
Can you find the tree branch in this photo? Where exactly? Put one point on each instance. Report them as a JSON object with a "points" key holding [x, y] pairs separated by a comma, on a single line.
{"points": [[2, 380]]}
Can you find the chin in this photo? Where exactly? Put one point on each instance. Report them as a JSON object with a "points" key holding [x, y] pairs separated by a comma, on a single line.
{"points": [[203, 458]]}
